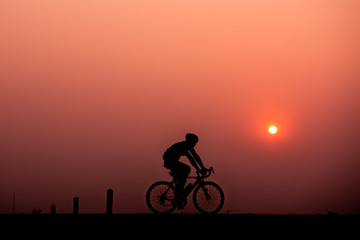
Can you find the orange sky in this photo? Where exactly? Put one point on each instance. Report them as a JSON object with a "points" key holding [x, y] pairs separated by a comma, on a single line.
{"points": [[93, 92]]}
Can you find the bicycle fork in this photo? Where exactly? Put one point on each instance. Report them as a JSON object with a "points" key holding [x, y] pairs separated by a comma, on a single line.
{"points": [[205, 191]]}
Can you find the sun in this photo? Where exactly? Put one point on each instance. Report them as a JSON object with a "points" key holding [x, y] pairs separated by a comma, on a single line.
{"points": [[272, 129]]}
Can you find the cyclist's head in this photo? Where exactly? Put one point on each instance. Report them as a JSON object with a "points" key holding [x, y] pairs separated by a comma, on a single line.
{"points": [[192, 139]]}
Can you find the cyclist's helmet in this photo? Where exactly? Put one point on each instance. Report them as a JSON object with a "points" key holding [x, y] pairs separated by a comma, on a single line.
{"points": [[191, 138]]}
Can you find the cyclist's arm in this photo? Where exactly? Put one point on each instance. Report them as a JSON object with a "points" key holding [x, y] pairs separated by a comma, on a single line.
{"points": [[197, 158], [192, 161]]}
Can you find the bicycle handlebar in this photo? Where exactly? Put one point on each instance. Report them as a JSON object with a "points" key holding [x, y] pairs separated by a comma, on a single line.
{"points": [[207, 174]]}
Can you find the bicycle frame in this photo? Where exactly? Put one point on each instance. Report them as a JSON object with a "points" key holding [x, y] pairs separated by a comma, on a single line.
{"points": [[199, 181]]}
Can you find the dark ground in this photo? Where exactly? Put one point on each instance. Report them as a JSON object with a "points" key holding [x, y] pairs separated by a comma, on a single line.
{"points": [[183, 225]]}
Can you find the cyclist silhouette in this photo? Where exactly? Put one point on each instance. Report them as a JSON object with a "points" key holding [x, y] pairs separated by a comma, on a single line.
{"points": [[180, 170]]}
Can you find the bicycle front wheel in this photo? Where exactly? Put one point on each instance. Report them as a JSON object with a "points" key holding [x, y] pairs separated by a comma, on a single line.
{"points": [[208, 198], [160, 196]]}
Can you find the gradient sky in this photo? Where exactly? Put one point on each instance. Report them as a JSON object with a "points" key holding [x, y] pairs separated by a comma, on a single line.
{"points": [[93, 92]]}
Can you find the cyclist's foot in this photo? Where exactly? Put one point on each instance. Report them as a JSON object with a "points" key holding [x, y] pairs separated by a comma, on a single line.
{"points": [[178, 202], [180, 206]]}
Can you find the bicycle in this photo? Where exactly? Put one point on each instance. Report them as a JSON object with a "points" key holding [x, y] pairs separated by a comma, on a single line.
{"points": [[208, 197]]}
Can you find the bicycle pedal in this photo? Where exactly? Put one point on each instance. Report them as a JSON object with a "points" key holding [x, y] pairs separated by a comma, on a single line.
{"points": [[180, 207]]}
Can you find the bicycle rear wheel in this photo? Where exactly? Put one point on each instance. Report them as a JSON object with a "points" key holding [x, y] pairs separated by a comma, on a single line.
{"points": [[208, 198], [160, 196]]}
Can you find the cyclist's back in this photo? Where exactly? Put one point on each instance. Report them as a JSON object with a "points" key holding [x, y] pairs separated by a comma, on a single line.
{"points": [[173, 154]]}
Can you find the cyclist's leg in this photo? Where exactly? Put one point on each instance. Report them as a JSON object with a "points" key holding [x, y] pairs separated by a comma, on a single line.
{"points": [[182, 171]]}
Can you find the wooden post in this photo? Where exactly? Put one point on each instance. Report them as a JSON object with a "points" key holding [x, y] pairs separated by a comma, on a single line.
{"points": [[109, 201], [13, 210], [76, 206], [53, 209]]}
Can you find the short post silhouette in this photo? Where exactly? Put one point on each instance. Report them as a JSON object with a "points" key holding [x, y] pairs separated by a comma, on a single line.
{"points": [[53, 209], [76, 206], [109, 201]]}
